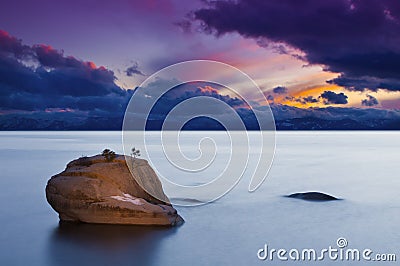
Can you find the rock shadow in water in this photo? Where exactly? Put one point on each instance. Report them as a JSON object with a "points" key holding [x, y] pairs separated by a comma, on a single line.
{"points": [[97, 244]]}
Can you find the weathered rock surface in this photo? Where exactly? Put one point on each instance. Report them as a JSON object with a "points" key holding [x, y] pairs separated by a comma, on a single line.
{"points": [[312, 196], [94, 190]]}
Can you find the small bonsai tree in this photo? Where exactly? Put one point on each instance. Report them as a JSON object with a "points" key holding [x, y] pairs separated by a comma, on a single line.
{"points": [[109, 155], [134, 153]]}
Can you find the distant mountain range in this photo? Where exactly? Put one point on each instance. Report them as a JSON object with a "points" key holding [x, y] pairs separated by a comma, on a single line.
{"points": [[286, 118], [335, 118]]}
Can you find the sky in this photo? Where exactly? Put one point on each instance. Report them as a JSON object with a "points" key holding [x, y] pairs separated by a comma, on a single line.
{"points": [[88, 56]]}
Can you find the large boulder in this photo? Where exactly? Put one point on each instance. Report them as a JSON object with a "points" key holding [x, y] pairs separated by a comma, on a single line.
{"points": [[96, 190]]}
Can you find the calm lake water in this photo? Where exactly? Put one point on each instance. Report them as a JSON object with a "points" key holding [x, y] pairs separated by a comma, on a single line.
{"points": [[360, 167]]}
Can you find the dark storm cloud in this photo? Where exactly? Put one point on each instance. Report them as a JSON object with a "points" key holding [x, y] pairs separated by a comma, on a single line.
{"points": [[356, 38], [212, 92], [289, 98], [280, 90], [370, 101], [303, 100], [133, 70], [310, 99], [186, 91], [330, 97], [177, 95], [39, 77], [12, 45], [366, 83]]}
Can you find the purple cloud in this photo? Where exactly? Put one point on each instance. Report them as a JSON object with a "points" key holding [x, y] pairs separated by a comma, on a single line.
{"points": [[39, 77], [134, 70], [359, 39], [303, 100], [370, 101], [280, 90], [310, 99], [330, 97]]}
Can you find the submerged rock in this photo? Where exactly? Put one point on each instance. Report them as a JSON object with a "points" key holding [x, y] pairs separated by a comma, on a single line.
{"points": [[95, 190], [312, 196]]}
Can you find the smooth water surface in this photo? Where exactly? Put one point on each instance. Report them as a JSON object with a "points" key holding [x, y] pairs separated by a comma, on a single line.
{"points": [[360, 167]]}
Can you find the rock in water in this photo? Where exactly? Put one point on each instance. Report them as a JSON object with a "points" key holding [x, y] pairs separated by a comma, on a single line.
{"points": [[94, 190], [312, 196]]}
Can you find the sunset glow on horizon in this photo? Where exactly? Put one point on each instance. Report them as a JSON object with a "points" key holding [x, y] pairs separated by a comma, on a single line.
{"points": [[92, 64]]}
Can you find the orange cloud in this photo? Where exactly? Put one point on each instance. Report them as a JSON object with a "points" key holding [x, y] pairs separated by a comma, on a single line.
{"points": [[293, 99]]}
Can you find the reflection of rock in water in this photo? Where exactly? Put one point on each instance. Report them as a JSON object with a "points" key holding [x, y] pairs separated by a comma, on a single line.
{"points": [[185, 201], [96, 244], [312, 196]]}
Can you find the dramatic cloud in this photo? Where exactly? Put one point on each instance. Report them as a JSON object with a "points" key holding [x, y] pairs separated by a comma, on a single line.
{"points": [[176, 97], [208, 90], [330, 97], [359, 39], [367, 83], [40, 78], [370, 101], [39, 84], [280, 90], [186, 91], [11, 45], [310, 99], [134, 70], [302, 100]]}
